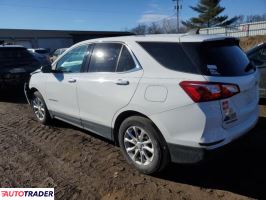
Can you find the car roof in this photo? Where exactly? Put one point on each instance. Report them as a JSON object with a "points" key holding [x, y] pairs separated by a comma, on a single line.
{"points": [[162, 38]]}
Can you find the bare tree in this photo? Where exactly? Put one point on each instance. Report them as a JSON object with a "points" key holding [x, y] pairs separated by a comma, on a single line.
{"points": [[154, 28], [141, 29]]}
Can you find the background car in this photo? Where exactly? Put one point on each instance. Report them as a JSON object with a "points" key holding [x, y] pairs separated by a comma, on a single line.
{"points": [[57, 53], [16, 64], [258, 56], [42, 59]]}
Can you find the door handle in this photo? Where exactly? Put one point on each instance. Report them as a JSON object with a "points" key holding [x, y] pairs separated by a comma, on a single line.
{"points": [[71, 80], [122, 82]]}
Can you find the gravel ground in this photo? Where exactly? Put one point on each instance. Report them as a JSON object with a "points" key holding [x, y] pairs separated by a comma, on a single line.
{"points": [[81, 165]]}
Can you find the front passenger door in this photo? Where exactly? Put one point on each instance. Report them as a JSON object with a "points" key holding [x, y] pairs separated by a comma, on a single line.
{"points": [[61, 86]]}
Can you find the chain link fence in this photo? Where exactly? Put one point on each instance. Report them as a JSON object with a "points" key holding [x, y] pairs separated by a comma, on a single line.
{"points": [[242, 30]]}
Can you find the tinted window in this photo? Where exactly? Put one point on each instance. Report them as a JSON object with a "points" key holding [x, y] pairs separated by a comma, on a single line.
{"points": [[73, 60], [126, 61], [216, 58], [223, 58], [170, 55], [14, 57], [105, 57]]}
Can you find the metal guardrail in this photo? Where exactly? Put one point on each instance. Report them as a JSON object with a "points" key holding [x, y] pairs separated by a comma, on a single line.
{"points": [[242, 30]]}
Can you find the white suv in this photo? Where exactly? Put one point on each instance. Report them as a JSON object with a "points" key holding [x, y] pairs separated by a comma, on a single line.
{"points": [[160, 98]]}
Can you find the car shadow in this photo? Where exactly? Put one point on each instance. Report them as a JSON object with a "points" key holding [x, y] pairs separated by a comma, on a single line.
{"points": [[13, 95], [241, 169]]}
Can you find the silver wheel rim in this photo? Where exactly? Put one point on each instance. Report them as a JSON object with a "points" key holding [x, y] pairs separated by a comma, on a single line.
{"points": [[38, 108], [138, 145]]}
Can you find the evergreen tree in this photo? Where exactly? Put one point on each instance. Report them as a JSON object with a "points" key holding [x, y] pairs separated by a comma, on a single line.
{"points": [[209, 15]]}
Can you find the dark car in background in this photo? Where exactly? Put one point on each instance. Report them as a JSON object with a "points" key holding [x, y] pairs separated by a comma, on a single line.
{"points": [[43, 59], [16, 64], [257, 55]]}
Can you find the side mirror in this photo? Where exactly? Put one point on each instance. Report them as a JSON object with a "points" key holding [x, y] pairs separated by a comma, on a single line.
{"points": [[46, 69]]}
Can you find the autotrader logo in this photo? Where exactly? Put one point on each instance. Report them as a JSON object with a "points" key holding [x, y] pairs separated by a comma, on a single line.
{"points": [[27, 193]]}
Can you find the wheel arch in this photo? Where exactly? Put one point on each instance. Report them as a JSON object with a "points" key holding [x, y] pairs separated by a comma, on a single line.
{"points": [[124, 115]]}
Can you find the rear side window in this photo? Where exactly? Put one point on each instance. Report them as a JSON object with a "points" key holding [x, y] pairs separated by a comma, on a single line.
{"points": [[15, 57], [223, 58], [105, 57], [216, 58], [126, 62], [170, 55]]}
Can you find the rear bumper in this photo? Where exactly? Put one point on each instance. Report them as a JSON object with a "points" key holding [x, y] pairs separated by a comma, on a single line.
{"points": [[191, 155], [192, 135], [196, 155]]}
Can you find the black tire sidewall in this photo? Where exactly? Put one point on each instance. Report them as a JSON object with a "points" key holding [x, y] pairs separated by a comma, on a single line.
{"points": [[147, 125]]}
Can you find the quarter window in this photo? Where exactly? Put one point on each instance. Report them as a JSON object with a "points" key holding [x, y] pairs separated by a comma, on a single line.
{"points": [[126, 61], [73, 60]]}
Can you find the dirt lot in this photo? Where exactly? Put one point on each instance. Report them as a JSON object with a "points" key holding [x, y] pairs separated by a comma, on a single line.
{"points": [[82, 166]]}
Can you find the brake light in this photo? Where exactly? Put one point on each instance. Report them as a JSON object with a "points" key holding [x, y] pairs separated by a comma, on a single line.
{"points": [[209, 91]]}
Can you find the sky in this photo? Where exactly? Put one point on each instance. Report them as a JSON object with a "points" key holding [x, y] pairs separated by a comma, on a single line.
{"points": [[105, 15]]}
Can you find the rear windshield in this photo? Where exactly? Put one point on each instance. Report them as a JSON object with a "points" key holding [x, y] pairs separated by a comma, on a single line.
{"points": [[219, 58], [14, 57]]}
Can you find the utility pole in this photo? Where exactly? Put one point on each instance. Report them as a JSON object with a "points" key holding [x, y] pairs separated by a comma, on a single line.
{"points": [[178, 7]]}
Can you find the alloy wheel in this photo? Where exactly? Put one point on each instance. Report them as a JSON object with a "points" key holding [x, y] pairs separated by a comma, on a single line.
{"points": [[139, 145]]}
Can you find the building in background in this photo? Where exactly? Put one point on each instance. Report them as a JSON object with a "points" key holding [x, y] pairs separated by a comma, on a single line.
{"points": [[52, 39]]}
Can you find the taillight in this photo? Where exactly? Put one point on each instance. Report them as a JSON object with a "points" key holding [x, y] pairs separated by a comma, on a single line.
{"points": [[209, 91]]}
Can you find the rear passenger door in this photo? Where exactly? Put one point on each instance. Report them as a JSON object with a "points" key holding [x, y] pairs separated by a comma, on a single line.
{"points": [[112, 78]]}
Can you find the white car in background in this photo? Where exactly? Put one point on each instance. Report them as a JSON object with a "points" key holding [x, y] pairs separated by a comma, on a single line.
{"points": [[161, 98]]}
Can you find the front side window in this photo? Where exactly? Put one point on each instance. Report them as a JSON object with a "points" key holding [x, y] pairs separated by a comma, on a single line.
{"points": [[72, 61], [105, 57]]}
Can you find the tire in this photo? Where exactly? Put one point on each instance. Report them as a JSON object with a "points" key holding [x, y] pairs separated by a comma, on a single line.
{"points": [[40, 109], [147, 150]]}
